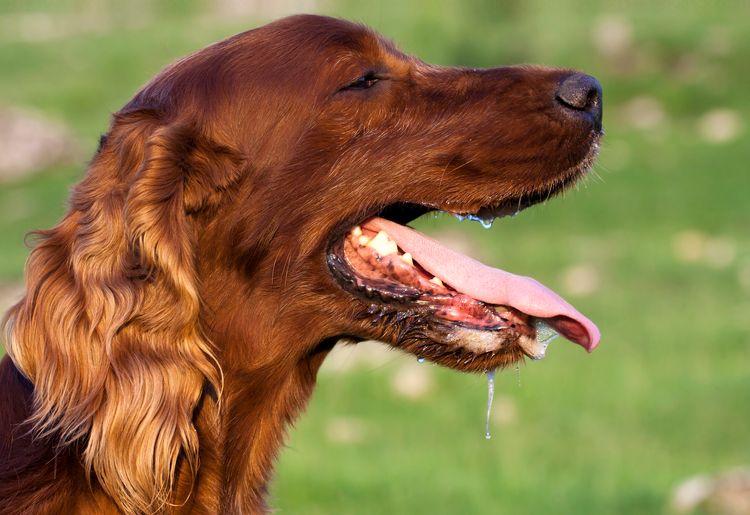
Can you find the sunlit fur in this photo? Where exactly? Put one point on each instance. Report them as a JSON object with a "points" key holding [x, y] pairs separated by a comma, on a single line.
{"points": [[175, 319], [109, 332]]}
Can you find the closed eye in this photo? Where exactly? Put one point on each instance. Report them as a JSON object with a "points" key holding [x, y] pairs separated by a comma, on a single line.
{"points": [[364, 82]]}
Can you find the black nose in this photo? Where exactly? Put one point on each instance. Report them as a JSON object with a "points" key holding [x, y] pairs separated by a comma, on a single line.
{"points": [[582, 93]]}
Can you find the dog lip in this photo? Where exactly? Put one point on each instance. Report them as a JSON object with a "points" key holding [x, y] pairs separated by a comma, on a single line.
{"points": [[405, 211]]}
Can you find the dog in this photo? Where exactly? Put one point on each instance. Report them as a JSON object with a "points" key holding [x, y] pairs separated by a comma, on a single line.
{"points": [[246, 211]]}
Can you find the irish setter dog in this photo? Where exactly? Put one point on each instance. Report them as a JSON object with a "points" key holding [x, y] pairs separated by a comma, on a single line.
{"points": [[244, 212]]}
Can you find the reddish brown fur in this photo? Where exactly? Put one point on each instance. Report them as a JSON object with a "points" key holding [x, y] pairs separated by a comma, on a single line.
{"points": [[176, 317]]}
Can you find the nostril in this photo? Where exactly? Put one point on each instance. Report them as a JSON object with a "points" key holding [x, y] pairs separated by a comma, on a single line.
{"points": [[580, 92], [583, 93]]}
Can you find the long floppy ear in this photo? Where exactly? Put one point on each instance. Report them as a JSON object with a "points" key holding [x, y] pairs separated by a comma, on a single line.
{"points": [[109, 332]]}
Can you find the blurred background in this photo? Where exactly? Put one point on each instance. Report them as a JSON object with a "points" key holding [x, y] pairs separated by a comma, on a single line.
{"points": [[654, 246]]}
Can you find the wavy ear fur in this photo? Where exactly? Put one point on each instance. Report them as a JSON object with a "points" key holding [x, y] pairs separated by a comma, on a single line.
{"points": [[109, 330]]}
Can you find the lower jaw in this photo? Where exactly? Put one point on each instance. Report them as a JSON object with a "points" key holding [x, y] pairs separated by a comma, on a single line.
{"points": [[461, 348], [410, 321]]}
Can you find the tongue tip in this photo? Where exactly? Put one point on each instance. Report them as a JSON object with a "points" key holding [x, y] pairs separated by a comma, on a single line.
{"points": [[591, 346], [578, 329], [592, 341]]}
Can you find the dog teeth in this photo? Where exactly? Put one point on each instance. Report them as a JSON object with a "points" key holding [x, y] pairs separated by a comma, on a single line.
{"points": [[383, 244], [407, 258], [436, 280]]}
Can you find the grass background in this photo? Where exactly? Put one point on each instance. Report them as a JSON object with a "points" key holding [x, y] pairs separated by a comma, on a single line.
{"points": [[655, 248]]}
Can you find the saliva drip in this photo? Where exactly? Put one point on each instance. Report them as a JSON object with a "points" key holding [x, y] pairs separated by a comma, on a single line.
{"points": [[486, 223], [518, 375], [544, 335], [490, 396]]}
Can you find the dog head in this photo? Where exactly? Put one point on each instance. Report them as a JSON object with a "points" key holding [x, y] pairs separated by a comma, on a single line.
{"points": [[246, 210]]}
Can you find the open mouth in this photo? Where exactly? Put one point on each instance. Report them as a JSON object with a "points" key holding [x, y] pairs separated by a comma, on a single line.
{"points": [[481, 316]]}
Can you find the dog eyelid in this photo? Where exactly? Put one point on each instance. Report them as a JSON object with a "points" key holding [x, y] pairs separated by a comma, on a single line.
{"points": [[366, 81]]}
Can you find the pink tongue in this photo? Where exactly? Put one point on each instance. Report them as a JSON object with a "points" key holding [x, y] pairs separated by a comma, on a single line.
{"points": [[492, 285]]}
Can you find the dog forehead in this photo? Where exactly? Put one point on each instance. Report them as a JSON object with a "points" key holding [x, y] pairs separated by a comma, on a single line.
{"points": [[316, 55], [323, 37], [311, 32]]}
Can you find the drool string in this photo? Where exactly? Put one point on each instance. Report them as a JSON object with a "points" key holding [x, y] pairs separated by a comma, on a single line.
{"points": [[490, 396]]}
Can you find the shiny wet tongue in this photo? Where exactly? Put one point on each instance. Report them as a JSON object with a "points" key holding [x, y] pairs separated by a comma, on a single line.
{"points": [[491, 285]]}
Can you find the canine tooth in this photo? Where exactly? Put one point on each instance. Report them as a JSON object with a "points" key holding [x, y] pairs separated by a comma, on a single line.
{"points": [[382, 244], [436, 280], [407, 257], [363, 240], [357, 231]]}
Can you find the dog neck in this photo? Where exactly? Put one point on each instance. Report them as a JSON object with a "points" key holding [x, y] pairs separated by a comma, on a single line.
{"points": [[242, 429]]}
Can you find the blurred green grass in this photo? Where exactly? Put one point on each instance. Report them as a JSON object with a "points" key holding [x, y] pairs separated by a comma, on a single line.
{"points": [[662, 228]]}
